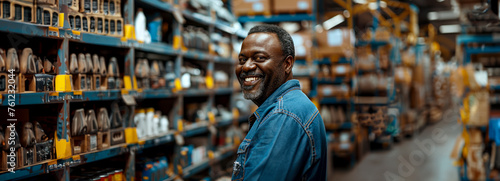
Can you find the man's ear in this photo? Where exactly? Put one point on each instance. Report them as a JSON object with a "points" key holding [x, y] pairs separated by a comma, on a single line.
{"points": [[289, 61]]}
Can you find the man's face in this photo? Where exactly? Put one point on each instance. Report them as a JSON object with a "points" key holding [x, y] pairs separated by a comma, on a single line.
{"points": [[260, 68]]}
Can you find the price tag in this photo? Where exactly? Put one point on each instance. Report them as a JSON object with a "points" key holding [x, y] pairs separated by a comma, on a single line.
{"points": [[76, 35], [53, 31], [129, 99]]}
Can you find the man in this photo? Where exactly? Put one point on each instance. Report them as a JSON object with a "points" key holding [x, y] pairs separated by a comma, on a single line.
{"points": [[287, 139]]}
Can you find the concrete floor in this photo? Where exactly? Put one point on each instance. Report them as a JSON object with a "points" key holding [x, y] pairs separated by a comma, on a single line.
{"points": [[409, 161]]}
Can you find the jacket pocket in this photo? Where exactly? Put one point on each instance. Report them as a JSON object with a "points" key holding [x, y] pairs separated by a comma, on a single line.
{"points": [[239, 164]]}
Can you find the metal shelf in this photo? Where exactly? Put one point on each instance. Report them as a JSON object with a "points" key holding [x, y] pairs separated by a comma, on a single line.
{"points": [[156, 94], [158, 4], [25, 172], [336, 80], [464, 39], [333, 100], [156, 141], [197, 55], [342, 60], [159, 48], [23, 28], [223, 91], [277, 18], [495, 87], [373, 43], [196, 92]]}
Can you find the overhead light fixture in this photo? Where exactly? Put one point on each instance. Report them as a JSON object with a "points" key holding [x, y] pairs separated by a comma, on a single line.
{"points": [[332, 22], [440, 1], [450, 28]]}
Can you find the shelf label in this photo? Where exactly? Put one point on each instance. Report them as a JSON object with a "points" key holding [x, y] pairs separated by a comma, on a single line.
{"points": [[178, 85], [76, 35], [129, 99], [53, 31], [211, 155], [179, 125]]}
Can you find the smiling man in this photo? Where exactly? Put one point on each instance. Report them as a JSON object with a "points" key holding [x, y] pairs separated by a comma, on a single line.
{"points": [[287, 139]]}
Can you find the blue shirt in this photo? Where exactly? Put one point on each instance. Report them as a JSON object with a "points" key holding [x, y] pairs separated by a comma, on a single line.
{"points": [[286, 140]]}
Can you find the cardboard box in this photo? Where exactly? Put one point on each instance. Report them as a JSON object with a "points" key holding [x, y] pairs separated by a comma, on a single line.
{"points": [[251, 7], [302, 41], [292, 6], [336, 41]]}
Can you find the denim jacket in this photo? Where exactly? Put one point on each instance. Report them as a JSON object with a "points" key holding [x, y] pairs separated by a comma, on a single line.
{"points": [[286, 140]]}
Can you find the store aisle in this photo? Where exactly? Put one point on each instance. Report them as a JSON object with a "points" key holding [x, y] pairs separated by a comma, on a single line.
{"points": [[403, 161]]}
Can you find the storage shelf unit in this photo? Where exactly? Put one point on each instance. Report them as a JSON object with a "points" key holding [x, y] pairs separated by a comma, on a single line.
{"points": [[277, 18], [130, 46]]}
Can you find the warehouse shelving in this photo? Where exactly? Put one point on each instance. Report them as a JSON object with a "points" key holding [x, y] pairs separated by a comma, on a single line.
{"points": [[62, 33], [470, 45]]}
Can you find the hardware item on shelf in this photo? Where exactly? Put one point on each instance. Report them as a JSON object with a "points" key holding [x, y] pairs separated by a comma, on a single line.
{"points": [[152, 169], [140, 122], [142, 73], [43, 146], [12, 61], [103, 124], [221, 79], [28, 142], [113, 26], [195, 37], [92, 128], [150, 127], [79, 128], [117, 131], [18, 10], [156, 72], [27, 62], [141, 33], [47, 12], [114, 80]]}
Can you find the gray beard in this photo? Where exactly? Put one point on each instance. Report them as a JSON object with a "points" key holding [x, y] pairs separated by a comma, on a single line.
{"points": [[253, 96]]}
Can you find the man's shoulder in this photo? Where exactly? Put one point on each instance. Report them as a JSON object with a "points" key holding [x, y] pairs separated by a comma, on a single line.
{"points": [[296, 104]]}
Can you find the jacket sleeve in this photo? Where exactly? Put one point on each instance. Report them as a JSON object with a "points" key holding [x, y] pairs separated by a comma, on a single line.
{"points": [[280, 150]]}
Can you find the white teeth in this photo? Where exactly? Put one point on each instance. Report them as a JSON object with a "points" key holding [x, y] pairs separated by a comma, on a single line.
{"points": [[250, 79]]}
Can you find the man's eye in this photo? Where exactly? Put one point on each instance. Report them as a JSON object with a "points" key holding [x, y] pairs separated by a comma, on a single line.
{"points": [[260, 58], [242, 60]]}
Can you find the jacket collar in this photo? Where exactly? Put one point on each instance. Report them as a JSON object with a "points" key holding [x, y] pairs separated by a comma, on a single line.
{"points": [[282, 90]]}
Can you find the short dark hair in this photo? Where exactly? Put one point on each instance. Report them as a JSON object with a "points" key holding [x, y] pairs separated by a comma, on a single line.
{"points": [[285, 39]]}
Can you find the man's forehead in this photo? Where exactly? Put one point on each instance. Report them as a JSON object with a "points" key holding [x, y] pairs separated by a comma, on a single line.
{"points": [[261, 39]]}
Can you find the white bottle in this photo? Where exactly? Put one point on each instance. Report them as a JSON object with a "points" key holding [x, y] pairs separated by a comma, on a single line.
{"points": [[150, 113], [140, 25], [156, 124], [163, 124], [139, 120]]}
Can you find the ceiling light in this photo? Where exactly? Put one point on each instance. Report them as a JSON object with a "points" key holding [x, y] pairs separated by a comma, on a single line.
{"points": [[432, 16], [332, 22]]}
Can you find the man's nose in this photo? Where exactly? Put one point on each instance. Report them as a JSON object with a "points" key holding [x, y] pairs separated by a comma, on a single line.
{"points": [[249, 65]]}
